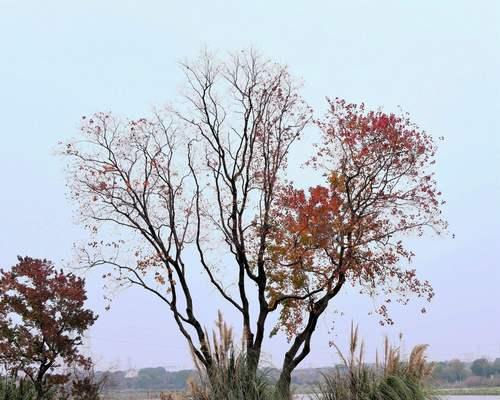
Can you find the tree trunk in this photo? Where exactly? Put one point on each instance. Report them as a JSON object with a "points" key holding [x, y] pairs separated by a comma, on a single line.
{"points": [[40, 392], [253, 357], [40, 388], [284, 382], [254, 351], [301, 346], [292, 360]]}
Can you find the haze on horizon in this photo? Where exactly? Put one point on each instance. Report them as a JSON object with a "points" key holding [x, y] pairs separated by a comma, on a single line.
{"points": [[440, 61]]}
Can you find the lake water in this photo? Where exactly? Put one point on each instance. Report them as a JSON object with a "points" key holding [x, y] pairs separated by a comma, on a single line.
{"points": [[471, 397], [305, 397]]}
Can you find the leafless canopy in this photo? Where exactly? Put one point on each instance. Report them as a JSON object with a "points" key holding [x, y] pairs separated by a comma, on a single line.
{"points": [[187, 178]]}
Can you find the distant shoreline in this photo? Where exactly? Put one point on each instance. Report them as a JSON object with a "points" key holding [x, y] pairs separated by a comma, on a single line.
{"points": [[138, 394], [471, 391]]}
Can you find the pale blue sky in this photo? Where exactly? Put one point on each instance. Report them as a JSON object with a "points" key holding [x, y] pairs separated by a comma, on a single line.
{"points": [[438, 60]]}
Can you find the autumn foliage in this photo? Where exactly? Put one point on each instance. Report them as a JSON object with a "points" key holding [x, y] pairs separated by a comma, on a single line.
{"points": [[42, 321], [208, 180], [378, 188]]}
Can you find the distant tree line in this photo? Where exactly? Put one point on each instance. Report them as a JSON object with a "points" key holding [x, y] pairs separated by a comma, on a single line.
{"points": [[148, 379], [480, 371], [445, 373], [160, 379]]}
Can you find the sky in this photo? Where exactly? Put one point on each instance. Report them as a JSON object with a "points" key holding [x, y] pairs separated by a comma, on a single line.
{"points": [[440, 61]]}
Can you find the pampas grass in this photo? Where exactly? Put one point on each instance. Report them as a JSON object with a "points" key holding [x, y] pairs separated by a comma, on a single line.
{"points": [[392, 378], [229, 378]]}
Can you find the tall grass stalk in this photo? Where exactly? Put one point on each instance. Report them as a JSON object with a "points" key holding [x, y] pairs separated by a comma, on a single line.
{"points": [[11, 389], [229, 378], [391, 378]]}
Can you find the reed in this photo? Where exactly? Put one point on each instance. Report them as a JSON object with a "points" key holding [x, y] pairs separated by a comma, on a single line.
{"points": [[391, 378], [229, 378], [11, 389]]}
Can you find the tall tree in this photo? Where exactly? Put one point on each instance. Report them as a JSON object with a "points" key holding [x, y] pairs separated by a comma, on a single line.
{"points": [[482, 367], [496, 366], [42, 320], [210, 179], [457, 370]]}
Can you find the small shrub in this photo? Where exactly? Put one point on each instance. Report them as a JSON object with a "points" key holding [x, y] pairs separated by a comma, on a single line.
{"points": [[86, 385]]}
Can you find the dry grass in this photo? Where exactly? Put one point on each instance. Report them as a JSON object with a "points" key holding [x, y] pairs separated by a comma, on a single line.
{"points": [[391, 378], [229, 378]]}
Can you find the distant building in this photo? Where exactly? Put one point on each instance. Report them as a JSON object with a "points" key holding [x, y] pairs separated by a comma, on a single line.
{"points": [[131, 373]]}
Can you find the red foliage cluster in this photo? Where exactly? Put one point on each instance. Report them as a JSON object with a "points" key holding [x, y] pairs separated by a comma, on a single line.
{"points": [[42, 320], [378, 189]]}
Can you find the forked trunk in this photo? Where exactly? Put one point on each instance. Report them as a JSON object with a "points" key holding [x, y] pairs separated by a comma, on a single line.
{"points": [[283, 384]]}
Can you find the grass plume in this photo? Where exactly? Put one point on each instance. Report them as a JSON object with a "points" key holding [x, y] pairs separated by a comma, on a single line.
{"points": [[391, 378]]}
